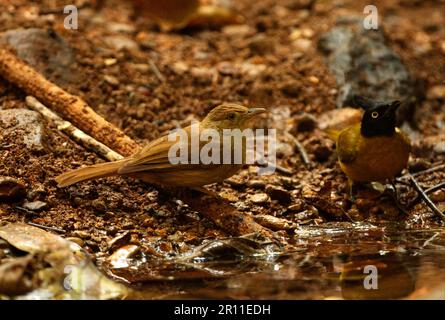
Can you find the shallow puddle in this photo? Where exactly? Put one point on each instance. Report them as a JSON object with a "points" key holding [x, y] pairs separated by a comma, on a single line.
{"points": [[333, 261]]}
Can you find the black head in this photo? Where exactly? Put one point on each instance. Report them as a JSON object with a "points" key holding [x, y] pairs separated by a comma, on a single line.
{"points": [[379, 118]]}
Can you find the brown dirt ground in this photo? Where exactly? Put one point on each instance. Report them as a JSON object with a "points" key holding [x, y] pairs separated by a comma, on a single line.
{"points": [[144, 107]]}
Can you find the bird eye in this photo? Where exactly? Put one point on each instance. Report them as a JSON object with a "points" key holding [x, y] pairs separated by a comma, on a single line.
{"points": [[375, 114], [231, 116]]}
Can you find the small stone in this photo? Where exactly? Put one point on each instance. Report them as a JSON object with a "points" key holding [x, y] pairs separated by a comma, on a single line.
{"points": [[110, 61], [180, 67], [111, 80], [274, 223], [121, 42], [261, 45], [141, 67], [119, 258], [257, 184], [229, 196], [81, 234], [238, 30], [119, 240], [278, 193], [35, 205], [259, 198], [297, 206], [117, 27], [302, 45], [11, 189], [235, 182], [291, 88], [314, 80], [202, 76]]}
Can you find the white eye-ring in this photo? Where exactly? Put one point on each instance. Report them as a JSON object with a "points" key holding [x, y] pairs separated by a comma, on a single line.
{"points": [[375, 114]]}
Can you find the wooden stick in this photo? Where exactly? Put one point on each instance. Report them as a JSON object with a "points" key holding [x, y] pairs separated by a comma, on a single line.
{"points": [[82, 116], [425, 197], [77, 135], [70, 107]]}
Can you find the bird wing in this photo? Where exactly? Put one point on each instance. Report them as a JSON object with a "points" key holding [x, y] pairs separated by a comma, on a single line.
{"points": [[154, 157], [348, 144]]}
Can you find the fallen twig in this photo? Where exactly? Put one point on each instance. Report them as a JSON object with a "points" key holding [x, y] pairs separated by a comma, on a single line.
{"points": [[156, 71], [77, 135], [301, 150], [416, 174], [85, 118], [426, 198], [46, 227], [436, 187], [70, 107]]}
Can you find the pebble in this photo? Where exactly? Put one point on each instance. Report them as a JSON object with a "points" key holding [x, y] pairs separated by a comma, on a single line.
{"points": [[121, 42], [229, 196], [180, 67], [302, 45], [110, 61], [81, 234], [11, 189], [119, 258], [119, 240], [259, 198], [202, 75], [257, 184], [278, 193], [35, 205], [297, 206], [111, 80], [274, 223], [238, 30]]}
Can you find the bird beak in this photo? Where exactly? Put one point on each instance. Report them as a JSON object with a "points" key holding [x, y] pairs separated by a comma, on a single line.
{"points": [[253, 112]]}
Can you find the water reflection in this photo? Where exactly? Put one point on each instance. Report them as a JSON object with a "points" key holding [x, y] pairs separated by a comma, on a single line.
{"points": [[335, 261]]}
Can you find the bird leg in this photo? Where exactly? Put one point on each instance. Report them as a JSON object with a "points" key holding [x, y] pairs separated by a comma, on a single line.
{"points": [[352, 190]]}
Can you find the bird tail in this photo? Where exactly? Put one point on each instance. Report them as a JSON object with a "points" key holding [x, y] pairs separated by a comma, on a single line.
{"points": [[333, 133], [100, 170]]}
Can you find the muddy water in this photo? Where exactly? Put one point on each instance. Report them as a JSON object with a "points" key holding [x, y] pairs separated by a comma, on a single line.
{"points": [[333, 261]]}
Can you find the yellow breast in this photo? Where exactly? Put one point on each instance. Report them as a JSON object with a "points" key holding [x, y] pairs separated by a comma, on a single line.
{"points": [[378, 158]]}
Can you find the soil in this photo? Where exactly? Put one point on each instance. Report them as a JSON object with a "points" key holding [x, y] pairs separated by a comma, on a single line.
{"points": [[161, 80]]}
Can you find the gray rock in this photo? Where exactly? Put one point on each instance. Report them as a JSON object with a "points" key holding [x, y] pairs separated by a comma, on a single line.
{"points": [[45, 51], [363, 64], [35, 205], [22, 126]]}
